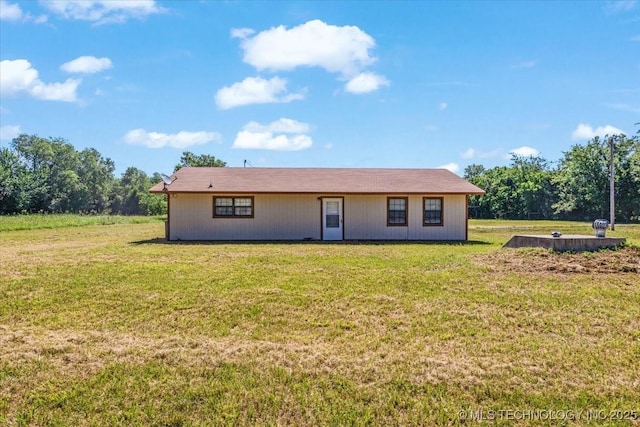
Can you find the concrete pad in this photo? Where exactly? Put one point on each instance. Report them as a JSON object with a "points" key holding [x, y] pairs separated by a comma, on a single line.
{"points": [[576, 243]]}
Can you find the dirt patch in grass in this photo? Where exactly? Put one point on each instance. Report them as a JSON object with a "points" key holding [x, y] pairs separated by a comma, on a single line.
{"points": [[538, 260]]}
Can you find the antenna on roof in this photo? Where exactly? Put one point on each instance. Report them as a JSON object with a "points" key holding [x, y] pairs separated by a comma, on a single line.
{"points": [[166, 179], [247, 162]]}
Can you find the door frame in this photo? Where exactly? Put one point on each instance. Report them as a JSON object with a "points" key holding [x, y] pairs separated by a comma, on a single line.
{"points": [[322, 200]]}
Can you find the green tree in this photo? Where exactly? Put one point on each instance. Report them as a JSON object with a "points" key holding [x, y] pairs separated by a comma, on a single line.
{"points": [[190, 159], [96, 174], [473, 171], [522, 190], [634, 182], [63, 181], [627, 179], [54, 177], [535, 192], [131, 194], [154, 204], [582, 180], [13, 174], [37, 155]]}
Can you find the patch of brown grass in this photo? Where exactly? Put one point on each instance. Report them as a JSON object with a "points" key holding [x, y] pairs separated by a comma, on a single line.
{"points": [[542, 261]]}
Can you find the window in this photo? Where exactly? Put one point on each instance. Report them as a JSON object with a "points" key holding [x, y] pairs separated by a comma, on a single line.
{"points": [[233, 207], [397, 211], [433, 211], [332, 215]]}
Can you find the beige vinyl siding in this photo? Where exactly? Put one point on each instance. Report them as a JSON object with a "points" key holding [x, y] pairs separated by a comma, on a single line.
{"points": [[276, 217], [297, 216], [454, 221], [365, 218]]}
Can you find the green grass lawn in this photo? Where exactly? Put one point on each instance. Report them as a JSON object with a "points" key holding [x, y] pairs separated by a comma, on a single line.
{"points": [[36, 221], [108, 324]]}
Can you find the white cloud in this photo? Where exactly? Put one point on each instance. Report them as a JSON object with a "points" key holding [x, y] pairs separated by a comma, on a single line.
{"points": [[40, 19], [268, 141], [282, 125], [57, 91], [103, 11], [255, 90], [87, 64], [10, 12], [182, 139], [525, 151], [273, 136], [344, 50], [620, 6], [585, 131], [13, 12], [18, 76], [443, 106], [365, 83], [470, 153], [241, 33], [453, 167], [8, 132]]}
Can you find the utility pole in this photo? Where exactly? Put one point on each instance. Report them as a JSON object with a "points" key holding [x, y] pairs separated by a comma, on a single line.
{"points": [[612, 205]]}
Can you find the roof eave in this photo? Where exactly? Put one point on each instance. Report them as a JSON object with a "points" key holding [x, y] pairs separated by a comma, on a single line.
{"points": [[377, 193]]}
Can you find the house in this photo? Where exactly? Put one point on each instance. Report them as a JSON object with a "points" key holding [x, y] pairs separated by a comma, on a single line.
{"points": [[316, 204]]}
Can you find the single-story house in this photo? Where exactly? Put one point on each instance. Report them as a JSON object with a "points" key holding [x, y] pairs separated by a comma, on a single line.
{"points": [[316, 204]]}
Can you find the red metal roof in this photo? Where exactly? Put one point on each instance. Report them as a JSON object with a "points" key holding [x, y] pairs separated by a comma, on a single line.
{"points": [[317, 180]]}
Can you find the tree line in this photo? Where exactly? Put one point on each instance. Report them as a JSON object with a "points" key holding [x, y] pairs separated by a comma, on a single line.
{"points": [[577, 188], [48, 175]]}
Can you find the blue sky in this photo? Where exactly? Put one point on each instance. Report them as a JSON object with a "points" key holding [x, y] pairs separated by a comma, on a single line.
{"points": [[322, 84]]}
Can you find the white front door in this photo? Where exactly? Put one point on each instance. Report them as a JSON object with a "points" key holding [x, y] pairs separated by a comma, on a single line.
{"points": [[331, 219]]}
